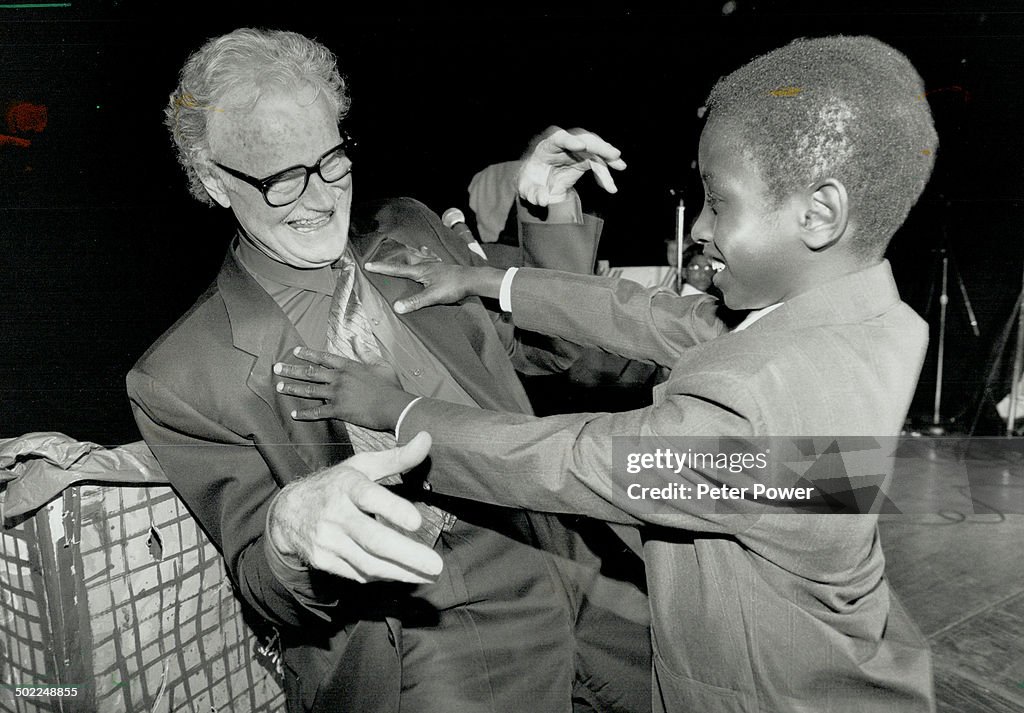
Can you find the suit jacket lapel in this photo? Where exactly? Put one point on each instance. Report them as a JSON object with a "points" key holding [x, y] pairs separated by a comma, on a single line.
{"points": [[260, 328]]}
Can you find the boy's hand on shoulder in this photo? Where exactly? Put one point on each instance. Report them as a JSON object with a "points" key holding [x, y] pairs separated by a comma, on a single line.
{"points": [[442, 283]]}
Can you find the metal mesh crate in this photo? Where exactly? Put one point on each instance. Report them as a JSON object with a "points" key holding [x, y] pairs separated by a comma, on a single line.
{"points": [[117, 592]]}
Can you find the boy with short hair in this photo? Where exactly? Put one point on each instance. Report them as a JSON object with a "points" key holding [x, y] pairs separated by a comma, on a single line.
{"points": [[811, 158]]}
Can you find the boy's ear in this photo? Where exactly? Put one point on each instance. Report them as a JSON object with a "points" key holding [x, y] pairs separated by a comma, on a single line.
{"points": [[826, 214]]}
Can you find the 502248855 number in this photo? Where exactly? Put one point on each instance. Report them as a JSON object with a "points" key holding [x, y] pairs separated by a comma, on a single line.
{"points": [[46, 691]]}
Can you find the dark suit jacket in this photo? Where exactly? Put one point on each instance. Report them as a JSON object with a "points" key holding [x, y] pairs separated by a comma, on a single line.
{"points": [[204, 400], [754, 611]]}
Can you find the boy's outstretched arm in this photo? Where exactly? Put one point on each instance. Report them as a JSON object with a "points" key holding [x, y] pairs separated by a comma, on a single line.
{"points": [[618, 316]]}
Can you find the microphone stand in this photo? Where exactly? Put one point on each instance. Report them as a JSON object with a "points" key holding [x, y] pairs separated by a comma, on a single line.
{"points": [[680, 234], [945, 254], [936, 427]]}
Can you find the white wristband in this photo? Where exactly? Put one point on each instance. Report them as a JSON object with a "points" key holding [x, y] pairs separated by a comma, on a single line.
{"points": [[505, 292]]}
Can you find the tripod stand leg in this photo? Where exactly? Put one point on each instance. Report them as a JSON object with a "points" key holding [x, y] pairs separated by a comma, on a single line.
{"points": [[999, 351], [1018, 357]]}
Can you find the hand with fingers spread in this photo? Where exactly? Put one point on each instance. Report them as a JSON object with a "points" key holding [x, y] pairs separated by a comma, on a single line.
{"points": [[328, 520], [351, 391], [559, 158]]}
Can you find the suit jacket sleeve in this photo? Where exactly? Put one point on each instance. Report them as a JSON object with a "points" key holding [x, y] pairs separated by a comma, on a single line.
{"points": [[567, 247], [554, 246], [619, 316], [573, 463], [227, 483]]}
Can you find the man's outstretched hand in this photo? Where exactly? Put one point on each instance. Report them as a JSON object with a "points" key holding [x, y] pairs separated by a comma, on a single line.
{"points": [[558, 158], [327, 520], [351, 391]]}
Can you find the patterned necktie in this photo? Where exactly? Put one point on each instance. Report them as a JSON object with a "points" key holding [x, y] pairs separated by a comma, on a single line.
{"points": [[350, 334], [349, 331]]}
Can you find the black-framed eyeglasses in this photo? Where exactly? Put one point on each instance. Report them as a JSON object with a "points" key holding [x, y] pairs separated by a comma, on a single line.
{"points": [[287, 186]]}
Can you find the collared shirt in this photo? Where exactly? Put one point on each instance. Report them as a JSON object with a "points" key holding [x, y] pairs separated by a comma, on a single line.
{"points": [[303, 294], [756, 315]]}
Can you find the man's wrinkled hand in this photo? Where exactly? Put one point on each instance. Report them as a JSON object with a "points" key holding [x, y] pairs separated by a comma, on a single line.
{"points": [[350, 391], [558, 158], [328, 519]]}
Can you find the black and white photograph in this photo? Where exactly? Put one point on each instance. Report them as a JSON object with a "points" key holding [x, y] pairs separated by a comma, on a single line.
{"points": [[557, 357]]}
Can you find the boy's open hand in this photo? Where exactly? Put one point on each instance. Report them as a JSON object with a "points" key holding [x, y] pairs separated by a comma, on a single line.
{"points": [[351, 391]]}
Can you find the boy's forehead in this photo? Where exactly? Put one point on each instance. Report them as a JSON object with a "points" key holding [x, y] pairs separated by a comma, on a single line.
{"points": [[720, 148], [726, 163]]}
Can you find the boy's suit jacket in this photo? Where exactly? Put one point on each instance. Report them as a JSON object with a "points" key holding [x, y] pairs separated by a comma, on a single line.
{"points": [[749, 612], [204, 399]]}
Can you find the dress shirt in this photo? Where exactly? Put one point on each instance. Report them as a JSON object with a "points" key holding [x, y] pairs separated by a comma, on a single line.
{"points": [[755, 315], [304, 295]]}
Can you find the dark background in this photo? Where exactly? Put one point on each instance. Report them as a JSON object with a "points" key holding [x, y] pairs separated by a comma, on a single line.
{"points": [[102, 247]]}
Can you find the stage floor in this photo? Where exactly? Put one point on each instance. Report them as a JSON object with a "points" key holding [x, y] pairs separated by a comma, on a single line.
{"points": [[959, 568]]}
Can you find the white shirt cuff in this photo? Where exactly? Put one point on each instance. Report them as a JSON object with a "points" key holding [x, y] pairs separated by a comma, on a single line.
{"points": [[505, 292], [398, 426]]}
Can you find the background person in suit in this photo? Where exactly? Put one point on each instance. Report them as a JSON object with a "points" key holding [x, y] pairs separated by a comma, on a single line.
{"points": [[811, 159], [367, 618]]}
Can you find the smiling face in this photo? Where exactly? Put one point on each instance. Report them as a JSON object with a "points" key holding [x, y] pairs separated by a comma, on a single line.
{"points": [[285, 128], [699, 272], [753, 243]]}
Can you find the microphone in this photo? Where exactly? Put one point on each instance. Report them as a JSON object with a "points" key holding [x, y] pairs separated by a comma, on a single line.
{"points": [[455, 220]]}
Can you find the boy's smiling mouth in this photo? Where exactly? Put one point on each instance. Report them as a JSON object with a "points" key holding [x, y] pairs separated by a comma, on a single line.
{"points": [[717, 265]]}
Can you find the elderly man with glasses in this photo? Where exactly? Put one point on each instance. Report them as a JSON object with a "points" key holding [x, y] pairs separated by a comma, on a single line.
{"points": [[384, 597]]}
